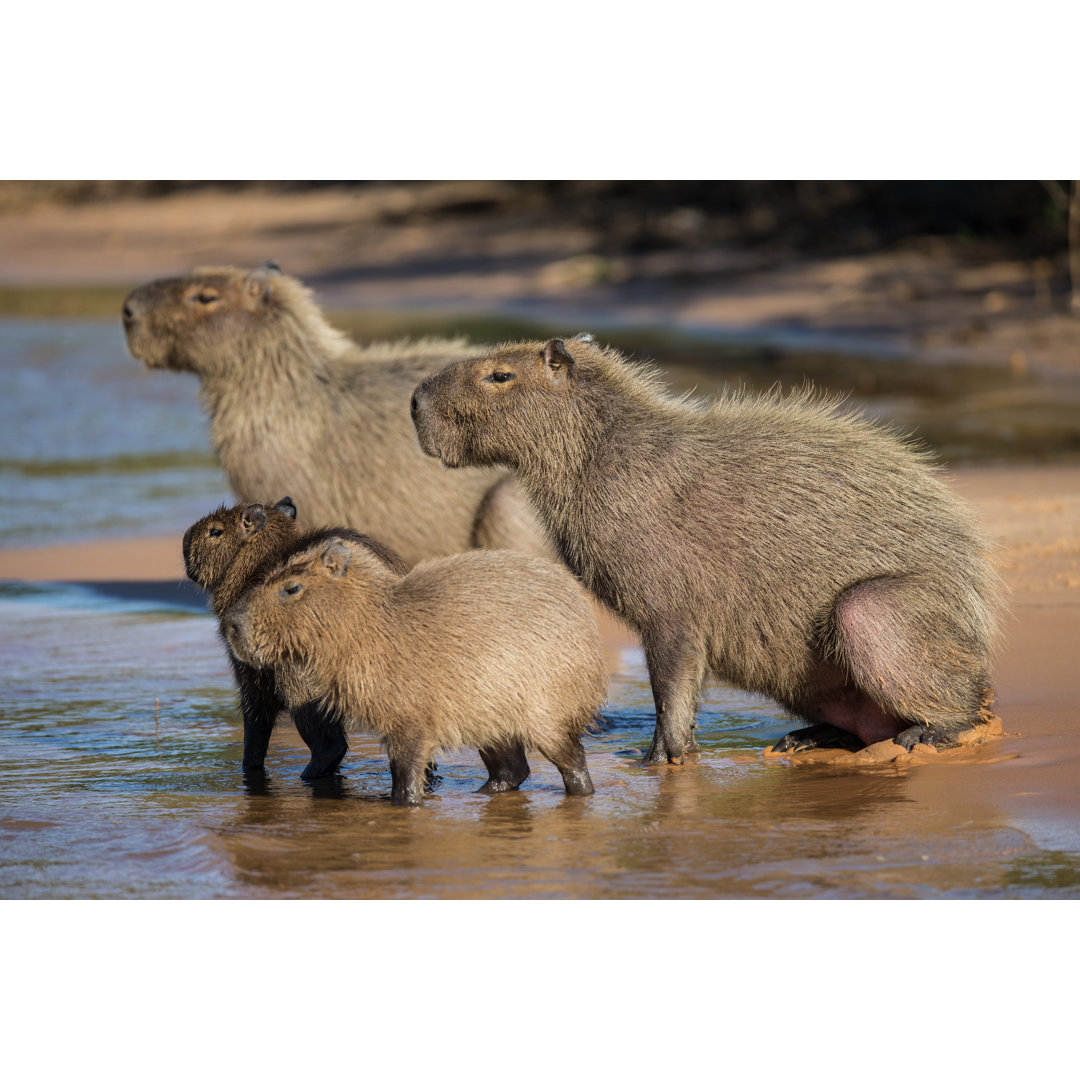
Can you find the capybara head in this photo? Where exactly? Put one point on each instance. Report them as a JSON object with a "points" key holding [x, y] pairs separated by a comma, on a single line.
{"points": [[306, 605], [213, 544], [489, 410], [214, 318]]}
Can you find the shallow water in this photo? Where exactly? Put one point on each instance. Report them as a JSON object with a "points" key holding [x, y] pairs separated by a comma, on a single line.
{"points": [[91, 443], [120, 777]]}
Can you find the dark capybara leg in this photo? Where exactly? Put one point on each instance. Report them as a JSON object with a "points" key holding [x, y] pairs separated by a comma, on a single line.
{"points": [[507, 767], [569, 759], [325, 739], [818, 736], [912, 656], [676, 674], [259, 705]]}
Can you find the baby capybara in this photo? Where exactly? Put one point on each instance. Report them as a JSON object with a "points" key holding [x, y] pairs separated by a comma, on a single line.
{"points": [[295, 405], [488, 649], [224, 553], [796, 551]]}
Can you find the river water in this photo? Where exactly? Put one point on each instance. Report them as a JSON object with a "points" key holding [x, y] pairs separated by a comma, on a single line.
{"points": [[120, 742]]}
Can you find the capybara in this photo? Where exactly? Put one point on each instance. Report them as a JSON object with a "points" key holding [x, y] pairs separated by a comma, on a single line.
{"points": [[488, 649], [791, 549], [296, 406], [224, 553]]}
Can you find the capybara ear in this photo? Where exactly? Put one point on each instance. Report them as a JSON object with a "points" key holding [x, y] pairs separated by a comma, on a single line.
{"points": [[336, 558], [286, 506], [558, 363], [252, 519], [259, 284]]}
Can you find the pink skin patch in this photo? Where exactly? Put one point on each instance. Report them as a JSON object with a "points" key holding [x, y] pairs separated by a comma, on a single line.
{"points": [[851, 710]]}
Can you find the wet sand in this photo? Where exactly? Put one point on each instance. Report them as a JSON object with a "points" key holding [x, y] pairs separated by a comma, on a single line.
{"points": [[1015, 797]]}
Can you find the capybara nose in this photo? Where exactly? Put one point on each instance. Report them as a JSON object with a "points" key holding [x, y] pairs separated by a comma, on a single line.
{"points": [[414, 406], [129, 310]]}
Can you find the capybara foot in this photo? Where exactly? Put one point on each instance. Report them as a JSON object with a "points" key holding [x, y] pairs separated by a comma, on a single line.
{"points": [[818, 737], [325, 759], [659, 754], [507, 767], [432, 779], [572, 766], [912, 736]]}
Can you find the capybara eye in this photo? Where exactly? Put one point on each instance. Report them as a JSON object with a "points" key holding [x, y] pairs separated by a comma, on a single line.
{"points": [[291, 589], [207, 297], [216, 530], [501, 376]]}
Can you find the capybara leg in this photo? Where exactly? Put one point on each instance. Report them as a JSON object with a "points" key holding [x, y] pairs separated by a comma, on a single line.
{"points": [[325, 739], [676, 675], [569, 759], [259, 705], [505, 520], [818, 736], [507, 767], [910, 656], [408, 771]]}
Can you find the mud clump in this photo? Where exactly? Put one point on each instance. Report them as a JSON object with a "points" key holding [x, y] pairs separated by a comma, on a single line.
{"points": [[225, 553], [296, 406], [796, 551], [492, 650]]}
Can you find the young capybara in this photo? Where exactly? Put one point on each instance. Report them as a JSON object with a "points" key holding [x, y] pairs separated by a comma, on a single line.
{"points": [[488, 649], [807, 555], [224, 553], [296, 406]]}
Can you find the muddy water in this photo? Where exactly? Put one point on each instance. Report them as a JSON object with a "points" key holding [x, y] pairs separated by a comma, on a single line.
{"points": [[119, 777]]}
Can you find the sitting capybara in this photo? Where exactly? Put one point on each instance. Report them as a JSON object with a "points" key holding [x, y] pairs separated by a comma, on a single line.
{"points": [[488, 649], [296, 406], [224, 553], [807, 555]]}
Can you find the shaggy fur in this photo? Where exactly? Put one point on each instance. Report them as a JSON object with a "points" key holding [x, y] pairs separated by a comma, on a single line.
{"points": [[482, 649], [224, 553], [808, 555], [296, 406]]}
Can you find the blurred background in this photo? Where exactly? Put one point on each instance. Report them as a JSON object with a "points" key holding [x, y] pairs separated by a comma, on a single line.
{"points": [[946, 307]]}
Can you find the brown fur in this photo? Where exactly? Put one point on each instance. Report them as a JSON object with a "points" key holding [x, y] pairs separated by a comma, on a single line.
{"points": [[296, 406], [795, 551], [226, 552], [481, 649]]}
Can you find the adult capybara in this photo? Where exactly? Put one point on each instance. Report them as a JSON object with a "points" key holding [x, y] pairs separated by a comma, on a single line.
{"points": [[795, 551], [296, 406], [488, 649], [229, 550]]}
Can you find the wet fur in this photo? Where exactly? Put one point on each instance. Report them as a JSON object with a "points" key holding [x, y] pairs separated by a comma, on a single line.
{"points": [[792, 549], [296, 406], [492, 650]]}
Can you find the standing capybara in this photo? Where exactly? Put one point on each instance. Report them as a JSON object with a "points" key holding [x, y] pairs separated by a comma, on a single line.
{"points": [[296, 406], [224, 553], [807, 555], [488, 649]]}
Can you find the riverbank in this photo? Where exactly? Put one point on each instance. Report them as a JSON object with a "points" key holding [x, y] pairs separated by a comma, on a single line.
{"points": [[420, 248]]}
